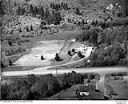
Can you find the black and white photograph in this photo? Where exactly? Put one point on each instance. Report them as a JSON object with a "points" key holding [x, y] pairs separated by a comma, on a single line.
{"points": [[64, 50]]}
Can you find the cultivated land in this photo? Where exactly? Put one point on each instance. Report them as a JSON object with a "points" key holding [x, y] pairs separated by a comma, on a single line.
{"points": [[120, 88]]}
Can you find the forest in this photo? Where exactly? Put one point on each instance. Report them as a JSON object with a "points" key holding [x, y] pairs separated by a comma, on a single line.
{"points": [[41, 87]]}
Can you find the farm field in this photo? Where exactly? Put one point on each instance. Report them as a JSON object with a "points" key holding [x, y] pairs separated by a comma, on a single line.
{"points": [[67, 94], [33, 58], [118, 89], [45, 49]]}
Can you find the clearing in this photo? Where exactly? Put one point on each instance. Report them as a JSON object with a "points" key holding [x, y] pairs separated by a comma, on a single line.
{"points": [[48, 50]]}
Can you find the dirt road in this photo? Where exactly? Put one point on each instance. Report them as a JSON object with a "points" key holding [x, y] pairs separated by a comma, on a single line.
{"points": [[42, 71]]}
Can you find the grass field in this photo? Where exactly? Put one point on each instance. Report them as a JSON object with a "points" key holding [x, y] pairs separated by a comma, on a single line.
{"points": [[18, 68], [32, 41], [118, 89], [49, 49], [63, 35], [66, 94]]}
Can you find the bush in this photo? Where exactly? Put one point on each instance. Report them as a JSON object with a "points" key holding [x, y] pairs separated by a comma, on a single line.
{"points": [[27, 29], [47, 85], [69, 53], [123, 62], [89, 35], [10, 43], [57, 57], [80, 55], [10, 63], [42, 58], [75, 78], [13, 51], [100, 63], [70, 79], [2, 65], [20, 30], [84, 36], [64, 83]]}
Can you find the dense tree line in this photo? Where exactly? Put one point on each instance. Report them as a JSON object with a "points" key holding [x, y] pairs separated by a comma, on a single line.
{"points": [[89, 35], [41, 87], [109, 56], [51, 17], [2, 8], [125, 4], [77, 11], [14, 51], [58, 6], [111, 23], [111, 45]]}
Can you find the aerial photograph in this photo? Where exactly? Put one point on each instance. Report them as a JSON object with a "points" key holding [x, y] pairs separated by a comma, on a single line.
{"points": [[64, 50]]}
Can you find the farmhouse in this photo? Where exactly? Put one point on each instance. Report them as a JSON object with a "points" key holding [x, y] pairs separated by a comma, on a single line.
{"points": [[88, 91]]}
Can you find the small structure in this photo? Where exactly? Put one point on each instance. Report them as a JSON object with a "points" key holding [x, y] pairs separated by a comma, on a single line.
{"points": [[73, 40], [89, 91], [88, 61], [82, 48], [110, 7]]}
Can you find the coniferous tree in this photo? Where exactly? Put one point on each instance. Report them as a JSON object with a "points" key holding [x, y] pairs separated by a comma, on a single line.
{"points": [[18, 10], [20, 30], [22, 11], [47, 14], [41, 12], [10, 62], [19, 42], [2, 8], [61, 4], [74, 51], [31, 9], [15, 4], [77, 11], [66, 6], [80, 55], [42, 57], [2, 65], [27, 29], [9, 43], [125, 4], [57, 57], [57, 18], [51, 5], [31, 28], [36, 11], [69, 53]]}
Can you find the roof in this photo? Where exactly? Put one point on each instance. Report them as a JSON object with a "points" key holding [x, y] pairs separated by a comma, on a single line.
{"points": [[86, 87], [90, 88], [83, 88]]}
